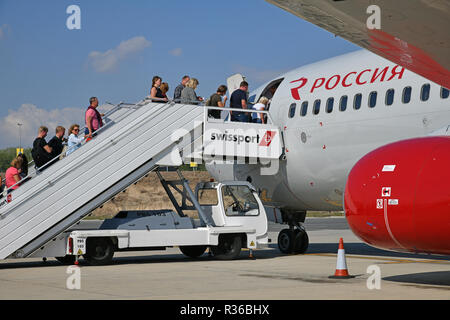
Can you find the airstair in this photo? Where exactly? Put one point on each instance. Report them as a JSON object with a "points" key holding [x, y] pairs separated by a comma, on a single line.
{"points": [[136, 139]]}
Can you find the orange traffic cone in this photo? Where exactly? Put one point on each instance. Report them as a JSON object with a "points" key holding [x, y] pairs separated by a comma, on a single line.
{"points": [[341, 265]]}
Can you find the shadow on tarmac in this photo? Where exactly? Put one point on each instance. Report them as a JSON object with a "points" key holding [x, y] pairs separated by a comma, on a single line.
{"points": [[440, 278], [366, 250], [271, 252]]}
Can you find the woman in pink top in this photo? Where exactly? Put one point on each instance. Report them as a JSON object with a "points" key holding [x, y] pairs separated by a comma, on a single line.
{"points": [[12, 175]]}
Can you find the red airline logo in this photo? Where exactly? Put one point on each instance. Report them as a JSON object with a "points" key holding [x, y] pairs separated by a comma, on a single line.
{"points": [[267, 139], [359, 78]]}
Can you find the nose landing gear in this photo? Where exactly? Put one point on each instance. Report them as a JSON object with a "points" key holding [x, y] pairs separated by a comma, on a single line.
{"points": [[293, 240]]}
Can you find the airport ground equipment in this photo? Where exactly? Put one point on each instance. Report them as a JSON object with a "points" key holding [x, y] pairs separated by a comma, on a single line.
{"points": [[231, 217], [136, 139]]}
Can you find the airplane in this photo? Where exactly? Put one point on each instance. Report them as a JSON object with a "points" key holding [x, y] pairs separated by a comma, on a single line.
{"points": [[332, 114], [411, 33], [342, 121]]}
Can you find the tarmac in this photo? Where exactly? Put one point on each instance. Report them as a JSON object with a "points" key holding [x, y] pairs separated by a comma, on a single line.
{"points": [[271, 275]]}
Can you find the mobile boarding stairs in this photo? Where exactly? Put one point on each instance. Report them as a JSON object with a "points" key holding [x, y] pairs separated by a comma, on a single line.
{"points": [[135, 140]]}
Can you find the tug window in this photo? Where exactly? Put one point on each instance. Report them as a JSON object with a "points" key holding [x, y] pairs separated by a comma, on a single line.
{"points": [[239, 201]]}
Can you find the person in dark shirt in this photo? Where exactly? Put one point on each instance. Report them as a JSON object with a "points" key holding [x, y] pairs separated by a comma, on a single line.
{"points": [[56, 143], [179, 88], [216, 101], [41, 151], [238, 100], [155, 92]]}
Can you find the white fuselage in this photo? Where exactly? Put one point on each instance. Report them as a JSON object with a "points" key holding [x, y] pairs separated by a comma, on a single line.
{"points": [[322, 148]]}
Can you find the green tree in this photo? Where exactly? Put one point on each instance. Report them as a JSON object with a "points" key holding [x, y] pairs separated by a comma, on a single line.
{"points": [[7, 155]]}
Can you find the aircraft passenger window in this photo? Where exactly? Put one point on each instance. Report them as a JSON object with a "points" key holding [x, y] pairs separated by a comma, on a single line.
{"points": [[389, 97], [372, 99], [292, 110], [343, 103], [406, 97], [330, 103], [357, 101], [316, 106], [425, 92], [444, 93], [304, 109]]}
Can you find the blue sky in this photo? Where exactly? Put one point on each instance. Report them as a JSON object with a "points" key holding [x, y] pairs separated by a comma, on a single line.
{"points": [[47, 70]]}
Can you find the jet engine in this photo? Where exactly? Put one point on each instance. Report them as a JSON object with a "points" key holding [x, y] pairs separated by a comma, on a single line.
{"points": [[397, 197]]}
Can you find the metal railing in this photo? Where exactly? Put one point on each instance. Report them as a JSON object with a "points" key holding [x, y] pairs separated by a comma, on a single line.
{"points": [[134, 107], [227, 119], [108, 124]]}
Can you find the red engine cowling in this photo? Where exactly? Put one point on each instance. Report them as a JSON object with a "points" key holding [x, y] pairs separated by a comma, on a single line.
{"points": [[397, 197]]}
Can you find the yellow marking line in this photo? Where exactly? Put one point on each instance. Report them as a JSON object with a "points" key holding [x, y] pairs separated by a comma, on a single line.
{"points": [[389, 260]]}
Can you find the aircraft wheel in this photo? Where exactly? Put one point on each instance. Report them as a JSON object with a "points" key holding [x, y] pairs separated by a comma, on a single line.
{"points": [[193, 251], [286, 240], [301, 241], [229, 247], [99, 251]]}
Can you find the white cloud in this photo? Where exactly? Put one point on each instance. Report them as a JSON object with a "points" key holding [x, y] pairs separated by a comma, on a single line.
{"points": [[109, 60], [176, 52], [31, 118], [5, 30]]}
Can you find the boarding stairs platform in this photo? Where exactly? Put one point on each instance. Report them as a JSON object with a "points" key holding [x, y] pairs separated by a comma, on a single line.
{"points": [[136, 139]]}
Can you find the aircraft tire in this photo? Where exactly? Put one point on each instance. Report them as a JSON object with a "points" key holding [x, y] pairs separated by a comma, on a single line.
{"points": [[301, 241], [286, 241]]}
